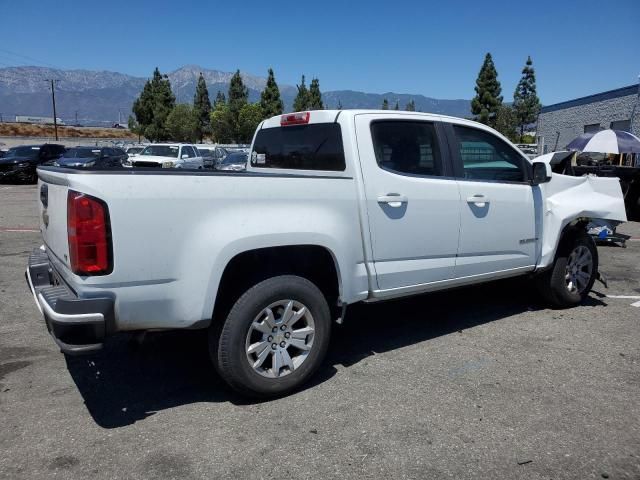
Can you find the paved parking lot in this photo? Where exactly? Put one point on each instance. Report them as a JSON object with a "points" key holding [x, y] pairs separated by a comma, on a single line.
{"points": [[483, 382]]}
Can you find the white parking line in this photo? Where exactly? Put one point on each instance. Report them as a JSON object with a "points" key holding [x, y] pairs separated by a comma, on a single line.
{"points": [[624, 296], [636, 304]]}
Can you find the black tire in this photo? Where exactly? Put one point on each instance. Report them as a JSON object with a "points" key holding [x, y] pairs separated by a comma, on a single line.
{"points": [[552, 284], [227, 342]]}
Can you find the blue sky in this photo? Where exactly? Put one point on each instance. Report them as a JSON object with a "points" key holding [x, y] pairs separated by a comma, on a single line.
{"points": [[430, 48]]}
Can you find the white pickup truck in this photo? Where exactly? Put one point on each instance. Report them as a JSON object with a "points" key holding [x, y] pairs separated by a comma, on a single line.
{"points": [[336, 207]]}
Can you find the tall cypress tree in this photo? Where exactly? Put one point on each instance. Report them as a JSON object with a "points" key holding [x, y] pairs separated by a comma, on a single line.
{"points": [[525, 99], [143, 109], [385, 104], [301, 102], [270, 100], [202, 108], [488, 97], [163, 101], [237, 98], [339, 107], [411, 106], [315, 96], [397, 107]]}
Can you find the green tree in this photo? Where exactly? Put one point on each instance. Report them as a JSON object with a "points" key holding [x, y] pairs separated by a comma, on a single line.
{"points": [[183, 123], [397, 107], [270, 100], [506, 122], [525, 99], [301, 102], [222, 127], [339, 106], [238, 94], [385, 104], [411, 106], [163, 102], [143, 109], [220, 99], [202, 108], [315, 96], [236, 99], [488, 93], [250, 117]]}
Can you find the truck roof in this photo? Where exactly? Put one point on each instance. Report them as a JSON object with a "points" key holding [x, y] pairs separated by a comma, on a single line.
{"points": [[329, 116]]}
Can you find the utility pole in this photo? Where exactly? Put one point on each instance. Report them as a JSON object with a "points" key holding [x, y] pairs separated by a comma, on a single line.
{"points": [[53, 99], [76, 118]]}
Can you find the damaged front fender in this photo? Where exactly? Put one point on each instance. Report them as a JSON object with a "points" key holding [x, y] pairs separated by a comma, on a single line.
{"points": [[566, 199]]}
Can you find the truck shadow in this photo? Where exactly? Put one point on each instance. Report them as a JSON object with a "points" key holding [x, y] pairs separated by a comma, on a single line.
{"points": [[128, 382]]}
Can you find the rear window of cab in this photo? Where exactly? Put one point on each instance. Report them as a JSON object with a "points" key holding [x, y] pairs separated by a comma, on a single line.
{"points": [[316, 146]]}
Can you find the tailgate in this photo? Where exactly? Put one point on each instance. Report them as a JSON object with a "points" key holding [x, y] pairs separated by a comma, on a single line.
{"points": [[52, 202]]}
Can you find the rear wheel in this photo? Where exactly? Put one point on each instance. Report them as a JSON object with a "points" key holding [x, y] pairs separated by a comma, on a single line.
{"points": [[573, 273], [274, 338]]}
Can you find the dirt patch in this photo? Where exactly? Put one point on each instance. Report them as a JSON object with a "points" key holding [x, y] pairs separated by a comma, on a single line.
{"points": [[29, 130]]}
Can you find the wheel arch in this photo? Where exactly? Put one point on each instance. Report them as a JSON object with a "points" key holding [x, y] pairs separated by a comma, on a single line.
{"points": [[315, 262]]}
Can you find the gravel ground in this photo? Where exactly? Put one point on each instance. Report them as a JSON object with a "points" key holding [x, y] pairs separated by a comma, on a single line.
{"points": [[481, 382]]}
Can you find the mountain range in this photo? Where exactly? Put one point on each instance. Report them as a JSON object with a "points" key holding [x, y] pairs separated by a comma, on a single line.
{"points": [[102, 97]]}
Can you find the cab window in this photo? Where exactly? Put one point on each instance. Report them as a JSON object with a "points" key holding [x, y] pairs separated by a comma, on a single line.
{"points": [[407, 147], [487, 157]]}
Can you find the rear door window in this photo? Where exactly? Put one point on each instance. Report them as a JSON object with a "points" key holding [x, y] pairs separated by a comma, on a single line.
{"points": [[407, 147], [300, 147]]}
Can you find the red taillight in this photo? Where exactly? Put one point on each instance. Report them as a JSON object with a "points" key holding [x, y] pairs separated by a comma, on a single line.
{"points": [[89, 235], [298, 118]]}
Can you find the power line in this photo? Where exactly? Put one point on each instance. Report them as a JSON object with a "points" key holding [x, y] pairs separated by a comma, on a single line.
{"points": [[30, 58]]}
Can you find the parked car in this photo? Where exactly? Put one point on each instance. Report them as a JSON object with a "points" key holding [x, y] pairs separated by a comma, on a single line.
{"points": [[92, 157], [336, 207], [211, 154], [236, 162], [20, 163], [169, 155]]}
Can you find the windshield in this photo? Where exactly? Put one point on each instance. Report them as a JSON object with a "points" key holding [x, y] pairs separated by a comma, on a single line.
{"points": [[235, 158], [82, 153], [134, 150], [23, 152], [161, 151]]}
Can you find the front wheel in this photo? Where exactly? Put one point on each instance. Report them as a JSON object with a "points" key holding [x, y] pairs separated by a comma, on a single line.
{"points": [[274, 338], [573, 273]]}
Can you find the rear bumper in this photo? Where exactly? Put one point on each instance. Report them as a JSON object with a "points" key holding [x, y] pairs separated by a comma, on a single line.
{"points": [[78, 326]]}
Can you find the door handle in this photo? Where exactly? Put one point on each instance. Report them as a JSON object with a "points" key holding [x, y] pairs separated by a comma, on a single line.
{"points": [[393, 199], [479, 200]]}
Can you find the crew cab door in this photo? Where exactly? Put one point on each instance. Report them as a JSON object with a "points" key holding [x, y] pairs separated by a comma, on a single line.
{"points": [[498, 218], [412, 201]]}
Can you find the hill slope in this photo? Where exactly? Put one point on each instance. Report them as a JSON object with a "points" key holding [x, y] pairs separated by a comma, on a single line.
{"points": [[100, 97]]}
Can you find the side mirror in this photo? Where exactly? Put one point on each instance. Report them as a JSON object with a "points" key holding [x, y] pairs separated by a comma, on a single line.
{"points": [[541, 173], [184, 156]]}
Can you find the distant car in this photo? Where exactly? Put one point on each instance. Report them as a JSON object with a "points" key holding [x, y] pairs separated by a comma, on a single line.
{"points": [[20, 163], [92, 157], [212, 155], [169, 155], [236, 162]]}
